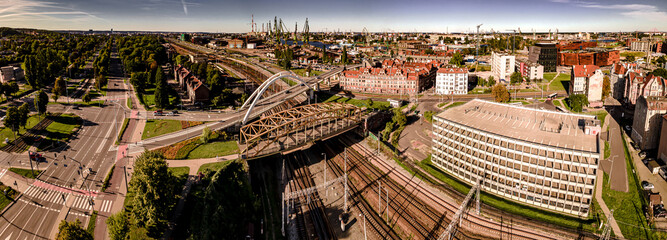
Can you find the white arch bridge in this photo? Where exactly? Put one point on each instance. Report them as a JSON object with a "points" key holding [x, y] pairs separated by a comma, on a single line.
{"points": [[274, 100]]}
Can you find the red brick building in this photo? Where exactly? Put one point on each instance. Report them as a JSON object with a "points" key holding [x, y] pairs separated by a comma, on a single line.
{"points": [[600, 58], [579, 45], [393, 77]]}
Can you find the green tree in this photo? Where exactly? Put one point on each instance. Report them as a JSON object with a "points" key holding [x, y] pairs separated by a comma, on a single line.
{"points": [[343, 56], [72, 231], [118, 226], [161, 91], [206, 135], [399, 117], [491, 82], [227, 207], [577, 102], [515, 78], [13, 120], [661, 72], [41, 101], [86, 97], [500, 93], [457, 59], [24, 112], [154, 192], [101, 82], [60, 87], [606, 87], [138, 234], [661, 60]]}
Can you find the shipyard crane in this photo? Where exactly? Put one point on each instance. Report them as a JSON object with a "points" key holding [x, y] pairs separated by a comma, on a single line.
{"points": [[306, 32], [365, 33], [477, 38]]}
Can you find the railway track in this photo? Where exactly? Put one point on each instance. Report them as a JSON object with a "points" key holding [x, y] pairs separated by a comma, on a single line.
{"points": [[317, 226], [377, 224], [24, 142], [472, 222], [417, 219]]}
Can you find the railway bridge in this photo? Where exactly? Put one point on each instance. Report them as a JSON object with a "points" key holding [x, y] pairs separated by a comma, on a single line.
{"points": [[297, 128]]}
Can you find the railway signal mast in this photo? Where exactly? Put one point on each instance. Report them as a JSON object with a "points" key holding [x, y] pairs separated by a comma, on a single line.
{"points": [[452, 228]]}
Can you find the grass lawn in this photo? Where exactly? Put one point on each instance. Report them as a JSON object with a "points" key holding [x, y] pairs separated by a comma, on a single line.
{"points": [[6, 133], [25, 172], [635, 54], [122, 130], [607, 151], [600, 115], [62, 126], [302, 72], [213, 149], [513, 207], [179, 171], [91, 223], [560, 82], [628, 206], [215, 166], [480, 90], [323, 97], [549, 76], [455, 104], [557, 103], [157, 127], [6, 200]]}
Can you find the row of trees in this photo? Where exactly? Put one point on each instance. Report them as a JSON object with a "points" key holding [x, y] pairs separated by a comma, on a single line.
{"points": [[142, 57], [153, 196]]}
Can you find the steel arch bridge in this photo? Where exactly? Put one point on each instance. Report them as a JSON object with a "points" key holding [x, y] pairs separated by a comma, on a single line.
{"points": [[257, 94], [296, 127]]}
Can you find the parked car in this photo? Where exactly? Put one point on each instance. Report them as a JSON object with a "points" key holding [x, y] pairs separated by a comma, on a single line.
{"points": [[157, 113], [627, 127], [642, 154], [647, 185], [170, 114]]}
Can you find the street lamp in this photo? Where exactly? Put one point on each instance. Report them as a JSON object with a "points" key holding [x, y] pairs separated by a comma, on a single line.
{"points": [[361, 214]]}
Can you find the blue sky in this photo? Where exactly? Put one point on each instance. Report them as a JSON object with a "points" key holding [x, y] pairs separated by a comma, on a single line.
{"points": [[375, 15]]}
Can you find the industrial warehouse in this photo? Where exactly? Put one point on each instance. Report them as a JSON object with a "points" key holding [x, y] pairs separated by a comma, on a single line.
{"points": [[542, 158]]}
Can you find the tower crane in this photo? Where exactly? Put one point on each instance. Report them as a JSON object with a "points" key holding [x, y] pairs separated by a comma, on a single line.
{"points": [[513, 38]]}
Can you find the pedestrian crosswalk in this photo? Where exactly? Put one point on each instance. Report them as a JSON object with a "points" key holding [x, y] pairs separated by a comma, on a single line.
{"points": [[106, 206], [46, 194], [83, 202], [2, 172]]}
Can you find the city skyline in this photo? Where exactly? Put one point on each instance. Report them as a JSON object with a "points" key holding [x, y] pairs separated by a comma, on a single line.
{"points": [[376, 16]]}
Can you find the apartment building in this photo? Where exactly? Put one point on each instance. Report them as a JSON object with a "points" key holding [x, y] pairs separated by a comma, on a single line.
{"points": [[662, 146], [392, 77], [451, 81], [10, 73], [640, 46], [541, 158], [636, 85], [530, 70], [617, 78], [546, 54], [647, 121], [587, 80], [502, 65]]}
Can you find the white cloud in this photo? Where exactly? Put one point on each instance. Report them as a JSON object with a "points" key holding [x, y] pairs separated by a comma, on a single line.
{"points": [[638, 11], [40, 10], [185, 7]]}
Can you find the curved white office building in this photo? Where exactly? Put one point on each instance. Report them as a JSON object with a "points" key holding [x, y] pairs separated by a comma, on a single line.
{"points": [[541, 158]]}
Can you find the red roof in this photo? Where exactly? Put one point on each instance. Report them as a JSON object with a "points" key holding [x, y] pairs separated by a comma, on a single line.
{"points": [[584, 70], [453, 70]]}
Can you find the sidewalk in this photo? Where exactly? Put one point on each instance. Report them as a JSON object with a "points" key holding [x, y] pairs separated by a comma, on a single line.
{"points": [[603, 205]]}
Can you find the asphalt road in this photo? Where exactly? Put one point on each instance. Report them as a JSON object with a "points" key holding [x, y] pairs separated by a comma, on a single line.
{"points": [[67, 178]]}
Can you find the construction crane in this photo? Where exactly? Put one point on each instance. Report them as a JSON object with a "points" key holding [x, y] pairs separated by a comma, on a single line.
{"points": [[513, 38], [477, 38], [306, 32]]}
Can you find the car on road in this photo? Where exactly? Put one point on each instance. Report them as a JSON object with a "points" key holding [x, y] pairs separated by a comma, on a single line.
{"points": [[647, 185], [170, 113], [75, 106], [174, 111], [157, 113]]}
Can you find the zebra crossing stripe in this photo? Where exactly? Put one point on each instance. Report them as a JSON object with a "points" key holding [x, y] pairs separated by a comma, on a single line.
{"points": [[2, 173]]}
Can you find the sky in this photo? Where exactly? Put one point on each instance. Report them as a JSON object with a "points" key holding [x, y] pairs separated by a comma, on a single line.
{"points": [[343, 15]]}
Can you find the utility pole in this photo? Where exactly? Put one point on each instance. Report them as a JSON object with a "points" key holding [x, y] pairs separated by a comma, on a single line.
{"points": [[345, 174], [360, 215], [326, 191], [282, 185]]}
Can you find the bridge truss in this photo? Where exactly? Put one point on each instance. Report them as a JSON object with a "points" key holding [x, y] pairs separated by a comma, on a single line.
{"points": [[292, 128]]}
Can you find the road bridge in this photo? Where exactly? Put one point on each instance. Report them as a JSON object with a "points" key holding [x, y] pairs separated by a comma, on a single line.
{"points": [[297, 127]]}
